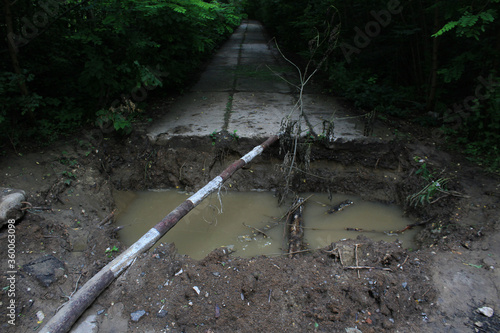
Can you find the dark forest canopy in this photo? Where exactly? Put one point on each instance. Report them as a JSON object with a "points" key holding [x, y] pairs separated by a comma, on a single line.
{"points": [[66, 63]]}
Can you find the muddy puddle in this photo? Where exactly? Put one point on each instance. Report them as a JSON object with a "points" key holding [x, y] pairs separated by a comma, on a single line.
{"points": [[232, 218]]}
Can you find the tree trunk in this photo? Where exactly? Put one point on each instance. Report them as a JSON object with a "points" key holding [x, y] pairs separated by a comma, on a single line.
{"points": [[13, 49], [83, 298], [15, 62], [431, 100], [295, 228]]}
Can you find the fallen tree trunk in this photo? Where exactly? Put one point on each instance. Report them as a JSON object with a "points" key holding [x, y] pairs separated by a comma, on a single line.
{"points": [[81, 300], [295, 228]]}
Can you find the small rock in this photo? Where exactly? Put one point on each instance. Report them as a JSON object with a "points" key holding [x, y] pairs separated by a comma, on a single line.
{"points": [[352, 330], [478, 324], [40, 315], [88, 325], [100, 312], [216, 274], [162, 313], [486, 311], [489, 262], [10, 204], [196, 289], [46, 269], [137, 315]]}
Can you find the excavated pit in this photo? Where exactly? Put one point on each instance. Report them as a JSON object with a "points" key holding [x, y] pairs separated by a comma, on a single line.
{"points": [[375, 286], [372, 171]]}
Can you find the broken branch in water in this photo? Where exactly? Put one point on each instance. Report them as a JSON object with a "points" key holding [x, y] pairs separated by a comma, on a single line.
{"points": [[392, 232], [258, 230], [294, 207], [295, 232], [107, 218]]}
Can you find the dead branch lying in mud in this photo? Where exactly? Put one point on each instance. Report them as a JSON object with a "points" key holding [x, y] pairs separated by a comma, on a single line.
{"points": [[81, 300], [392, 232], [258, 230], [368, 267], [294, 228], [107, 218]]}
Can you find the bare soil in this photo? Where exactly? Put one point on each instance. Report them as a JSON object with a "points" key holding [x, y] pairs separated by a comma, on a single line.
{"points": [[436, 288]]}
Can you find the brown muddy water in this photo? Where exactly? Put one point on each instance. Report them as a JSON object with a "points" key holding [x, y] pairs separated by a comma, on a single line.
{"points": [[228, 219]]}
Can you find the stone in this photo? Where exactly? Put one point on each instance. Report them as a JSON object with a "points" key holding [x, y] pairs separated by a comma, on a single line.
{"points": [[486, 311], [10, 204], [115, 320], [489, 262], [162, 313], [352, 330], [137, 315], [88, 325], [78, 239], [47, 269]]}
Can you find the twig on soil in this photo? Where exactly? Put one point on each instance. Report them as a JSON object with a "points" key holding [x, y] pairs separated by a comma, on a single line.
{"points": [[400, 266], [367, 267], [340, 257], [391, 233], [71, 295], [107, 218], [356, 255], [338, 252], [285, 254], [258, 230], [30, 206]]}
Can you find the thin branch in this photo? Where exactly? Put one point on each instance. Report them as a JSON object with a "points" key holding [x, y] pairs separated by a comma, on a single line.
{"points": [[258, 230], [367, 267]]}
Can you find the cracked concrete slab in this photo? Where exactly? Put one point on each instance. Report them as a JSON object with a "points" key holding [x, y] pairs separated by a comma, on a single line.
{"points": [[258, 114], [194, 114], [243, 89]]}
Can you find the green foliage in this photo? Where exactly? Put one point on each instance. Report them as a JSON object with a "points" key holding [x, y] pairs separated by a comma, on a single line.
{"points": [[109, 251], [479, 135], [470, 25], [391, 67], [101, 52], [432, 185], [423, 170], [428, 192]]}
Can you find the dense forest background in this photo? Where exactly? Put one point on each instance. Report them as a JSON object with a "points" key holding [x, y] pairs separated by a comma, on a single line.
{"points": [[68, 64]]}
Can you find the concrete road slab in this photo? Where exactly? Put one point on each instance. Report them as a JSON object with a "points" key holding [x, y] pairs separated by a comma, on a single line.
{"points": [[195, 114], [321, 108], [215, 80], [223, 62], [261, 98], [262, 60], [258, 114], [258, 84]]}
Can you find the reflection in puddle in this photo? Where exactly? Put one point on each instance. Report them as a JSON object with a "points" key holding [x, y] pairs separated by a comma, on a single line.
{"points": [[211, 225]]}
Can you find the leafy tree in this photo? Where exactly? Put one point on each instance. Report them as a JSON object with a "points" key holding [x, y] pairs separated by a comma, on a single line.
{"points": [[65, 63]]}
